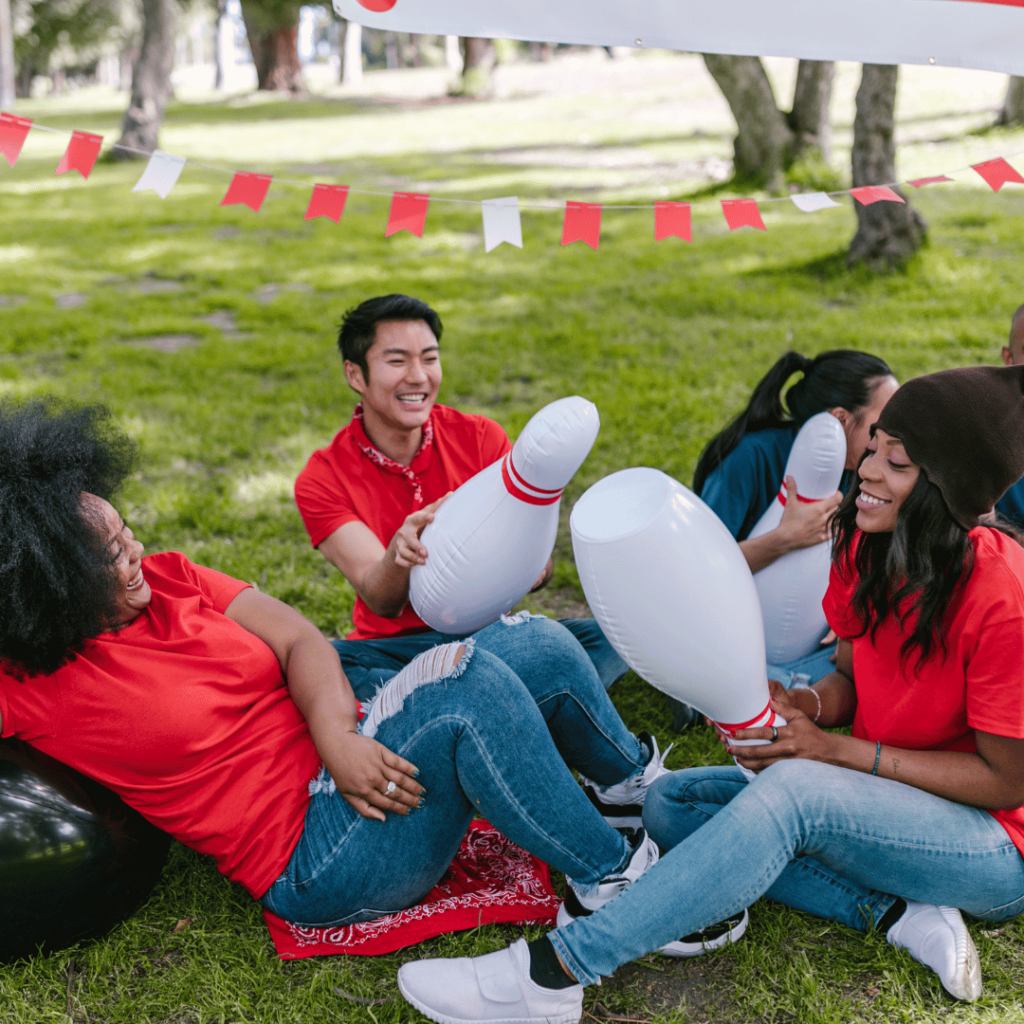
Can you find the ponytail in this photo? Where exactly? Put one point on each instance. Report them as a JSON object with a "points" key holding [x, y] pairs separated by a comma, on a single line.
{"points": [[842, 378]]}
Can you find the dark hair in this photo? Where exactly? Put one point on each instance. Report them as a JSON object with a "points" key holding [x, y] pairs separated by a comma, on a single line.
{"points": [[916, 569], [359, 325], [59, 580], [842, 378]]}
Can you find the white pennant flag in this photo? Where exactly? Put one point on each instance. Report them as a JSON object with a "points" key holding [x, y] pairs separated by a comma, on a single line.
{"points": [[161, 174], [811, 201], [501, 222]]}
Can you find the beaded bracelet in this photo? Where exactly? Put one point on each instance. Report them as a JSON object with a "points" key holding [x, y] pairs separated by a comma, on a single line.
{"points": [[878, 754], [817, 697]]}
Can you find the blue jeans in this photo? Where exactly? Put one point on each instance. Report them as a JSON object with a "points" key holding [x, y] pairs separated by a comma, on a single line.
{"points": [[371, 663], [484, 742], [806, 670], [826, 840]]}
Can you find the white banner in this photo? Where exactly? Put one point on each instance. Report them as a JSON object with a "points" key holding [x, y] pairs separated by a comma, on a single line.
{"points": [[501, 222], [161, 174], [983, 34]]}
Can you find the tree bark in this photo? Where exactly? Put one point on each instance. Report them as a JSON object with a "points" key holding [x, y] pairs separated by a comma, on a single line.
{"points": [[764, 140], [1013, 105], [272, 27], [887, 232], [351, 53], [6, 56], [151, 81], [479, 59], [809, 117]]}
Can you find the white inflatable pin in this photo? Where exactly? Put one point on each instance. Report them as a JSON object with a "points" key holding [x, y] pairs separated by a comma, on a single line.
{"points": [[489, 542], [671, 589], [791, 589]]}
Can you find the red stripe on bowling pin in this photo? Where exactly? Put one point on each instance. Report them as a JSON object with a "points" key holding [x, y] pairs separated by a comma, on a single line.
{"points": [[517, 486], [782, 497], [766, 719]]}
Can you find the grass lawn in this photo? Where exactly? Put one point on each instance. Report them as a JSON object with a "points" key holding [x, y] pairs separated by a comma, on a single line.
{"points": [[209, 332]]}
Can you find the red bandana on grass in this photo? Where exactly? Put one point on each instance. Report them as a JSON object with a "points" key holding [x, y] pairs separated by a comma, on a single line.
{"points": [[490, 881]]}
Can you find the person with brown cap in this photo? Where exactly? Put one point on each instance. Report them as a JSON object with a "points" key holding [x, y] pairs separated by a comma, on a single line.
{"points": [[897, 827]]}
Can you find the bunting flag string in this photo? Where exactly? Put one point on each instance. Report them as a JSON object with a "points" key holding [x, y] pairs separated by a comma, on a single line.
{"points": [[501, 217]]}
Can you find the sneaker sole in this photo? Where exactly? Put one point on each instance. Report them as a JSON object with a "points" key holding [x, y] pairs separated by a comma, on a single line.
{"points": [[616, 815]]}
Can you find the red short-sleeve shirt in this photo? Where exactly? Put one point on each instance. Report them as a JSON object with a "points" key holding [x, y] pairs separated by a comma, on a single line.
{"points": [[186, 715], [347, 481], [978, 685]]}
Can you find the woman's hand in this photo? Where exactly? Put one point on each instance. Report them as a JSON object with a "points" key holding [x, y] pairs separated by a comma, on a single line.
{"points": [[363, 770], [805, 523], [799, 737]]}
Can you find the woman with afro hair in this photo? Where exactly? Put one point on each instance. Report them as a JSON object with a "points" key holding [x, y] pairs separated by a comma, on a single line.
{"points": [[224, 717]]}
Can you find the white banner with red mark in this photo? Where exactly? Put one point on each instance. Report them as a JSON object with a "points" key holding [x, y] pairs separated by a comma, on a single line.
{"points": [[983, 34]]}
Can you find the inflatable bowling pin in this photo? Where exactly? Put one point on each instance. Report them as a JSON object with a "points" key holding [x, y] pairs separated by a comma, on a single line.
{"points": [[791, 589], [490, 541], [671, 589]]}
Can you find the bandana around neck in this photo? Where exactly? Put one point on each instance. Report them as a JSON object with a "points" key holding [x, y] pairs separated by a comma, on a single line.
{"points": [[376, 456]]}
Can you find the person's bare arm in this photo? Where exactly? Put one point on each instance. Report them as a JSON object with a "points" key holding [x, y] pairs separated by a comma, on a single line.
{"points": [[991, 778], [380, 575], [361, 767], [803, 524]]}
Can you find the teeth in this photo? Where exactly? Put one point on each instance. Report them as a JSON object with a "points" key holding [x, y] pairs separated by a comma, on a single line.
{"points": [[412, 398], [871, 500], [135, 581]]}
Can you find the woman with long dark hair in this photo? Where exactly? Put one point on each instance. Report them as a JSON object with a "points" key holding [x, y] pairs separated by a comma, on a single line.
{"points": [[915, 816], [740, 470]]}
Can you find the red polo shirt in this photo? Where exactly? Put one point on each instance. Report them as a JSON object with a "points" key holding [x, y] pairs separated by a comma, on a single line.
{"points": [[349, 480]]}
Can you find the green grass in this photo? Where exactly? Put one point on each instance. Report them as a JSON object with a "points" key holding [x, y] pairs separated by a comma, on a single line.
{"points": [[666, 338]]}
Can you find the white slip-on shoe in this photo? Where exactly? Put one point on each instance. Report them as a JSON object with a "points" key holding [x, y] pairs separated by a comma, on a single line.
{"points": [[644, 857], [621, 805], [715, 936], [938, 938], [495, 988]]}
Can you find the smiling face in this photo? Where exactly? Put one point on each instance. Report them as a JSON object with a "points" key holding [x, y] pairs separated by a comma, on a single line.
{"points": [[403, 376], [133, 593], [887, 476]]}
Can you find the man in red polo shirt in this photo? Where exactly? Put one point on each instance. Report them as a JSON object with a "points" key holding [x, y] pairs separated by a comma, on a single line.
{"points": [[366, 498]]}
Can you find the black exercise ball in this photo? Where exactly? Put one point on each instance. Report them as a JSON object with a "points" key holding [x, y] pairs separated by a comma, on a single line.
{"points": [[74, 858]]}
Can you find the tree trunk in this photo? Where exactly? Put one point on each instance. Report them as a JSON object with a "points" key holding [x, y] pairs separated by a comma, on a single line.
{"points": [[351, 53], [6, 56], [151, 82], [1013, 105], [273, 31], [223, 46], [887, 232], [764, 140], [809, 117], [479, 59]]}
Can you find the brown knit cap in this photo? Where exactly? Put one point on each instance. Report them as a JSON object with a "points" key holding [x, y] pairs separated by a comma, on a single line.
{"points": [[965, 429]]}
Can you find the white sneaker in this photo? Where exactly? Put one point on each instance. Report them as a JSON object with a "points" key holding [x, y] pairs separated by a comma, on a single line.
{"points": [[645, 856], [938, 938], [715, 936], [496, 987], [621, 805]]}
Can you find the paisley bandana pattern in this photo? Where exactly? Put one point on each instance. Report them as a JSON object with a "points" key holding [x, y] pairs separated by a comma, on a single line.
{"points": [[378, 457]]}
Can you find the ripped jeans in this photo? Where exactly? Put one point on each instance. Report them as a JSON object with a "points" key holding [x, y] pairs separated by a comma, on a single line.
{"points": [[483, 743]]}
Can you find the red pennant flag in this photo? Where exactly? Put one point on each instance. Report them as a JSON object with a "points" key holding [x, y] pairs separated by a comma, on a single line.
{"points": [[997, 173], [247, 190], [672, 220], [742, 213], [408, 213], [327, 201], [918, 182], [81, 154], [12, 136], [868, 194], [582, 224]]}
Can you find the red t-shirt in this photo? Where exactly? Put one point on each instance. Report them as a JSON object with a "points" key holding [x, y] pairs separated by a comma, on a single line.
{"points": [[349, 480], [978, 685], [186, 715]]}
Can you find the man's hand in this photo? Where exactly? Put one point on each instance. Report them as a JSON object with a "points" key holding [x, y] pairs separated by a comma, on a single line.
{"points": [[363, 769], [405, 549]]}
